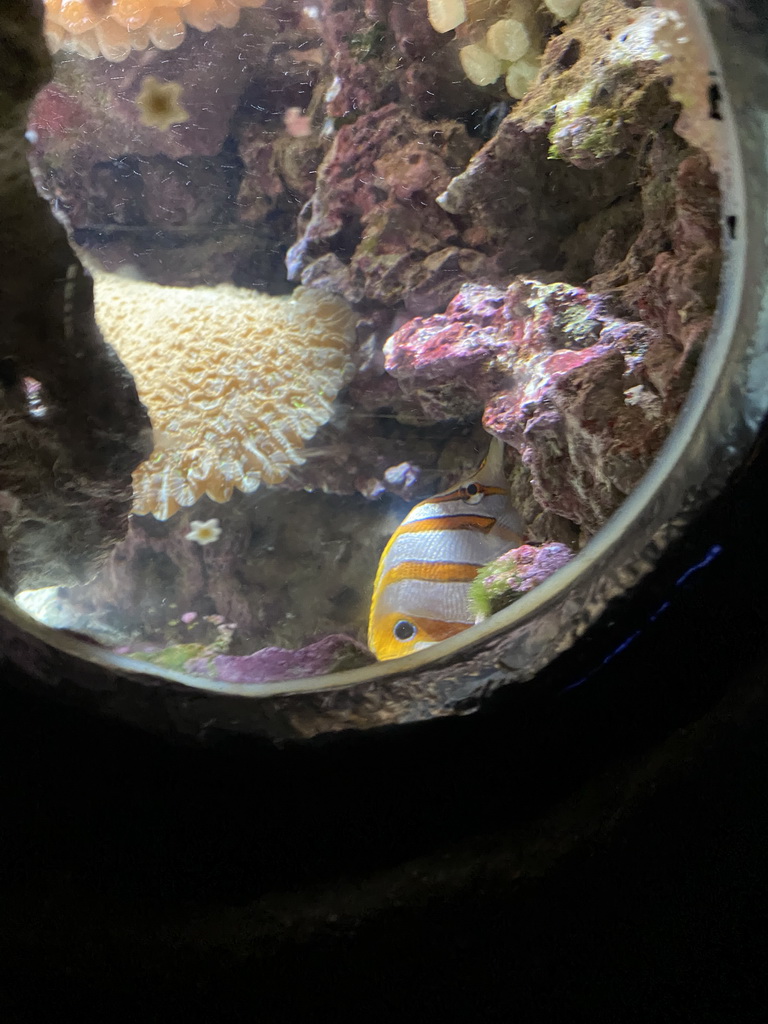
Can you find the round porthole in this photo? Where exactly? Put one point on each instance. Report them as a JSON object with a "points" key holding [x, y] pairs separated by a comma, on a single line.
{"points": [[426, 340]]}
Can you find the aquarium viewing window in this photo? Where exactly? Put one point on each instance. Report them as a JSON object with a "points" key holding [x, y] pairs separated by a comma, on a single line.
{"points": [[411, 294]]}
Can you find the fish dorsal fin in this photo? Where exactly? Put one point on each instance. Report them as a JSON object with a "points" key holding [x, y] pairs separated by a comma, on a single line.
{"points": [[491, 472]]}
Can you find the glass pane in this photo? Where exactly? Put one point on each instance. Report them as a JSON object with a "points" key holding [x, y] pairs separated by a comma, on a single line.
{"points": [[410, 287]]}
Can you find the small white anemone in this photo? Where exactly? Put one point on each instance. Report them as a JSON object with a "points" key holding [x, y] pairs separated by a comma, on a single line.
{"points": [[204, 532]]}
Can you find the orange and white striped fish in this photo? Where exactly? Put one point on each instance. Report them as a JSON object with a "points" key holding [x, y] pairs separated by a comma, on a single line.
{"points": [[420, 595]]}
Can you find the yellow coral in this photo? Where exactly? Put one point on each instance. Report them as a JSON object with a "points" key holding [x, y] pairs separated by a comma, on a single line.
{"points": [[519, 77], [480, 66], [445, 15], [499, 37], [563, 9], [113, 28], [234, 381], [159, 104]]}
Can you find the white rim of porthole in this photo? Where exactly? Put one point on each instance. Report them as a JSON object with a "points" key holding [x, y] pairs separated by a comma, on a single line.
{"points": [[721, 417]]}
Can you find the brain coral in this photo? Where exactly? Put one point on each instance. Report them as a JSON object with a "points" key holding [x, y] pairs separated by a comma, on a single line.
{"points": [[234, 381], [113, 28]]}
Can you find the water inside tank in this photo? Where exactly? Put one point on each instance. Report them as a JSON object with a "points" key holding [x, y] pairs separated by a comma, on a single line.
{"points": [[412, 292]]}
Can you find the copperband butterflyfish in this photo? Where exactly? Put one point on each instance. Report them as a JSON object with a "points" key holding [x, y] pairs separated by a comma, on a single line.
{"points": [[421, 590]]}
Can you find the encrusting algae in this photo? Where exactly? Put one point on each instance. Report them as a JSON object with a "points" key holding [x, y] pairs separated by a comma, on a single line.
{"points": [[235, 382], [112, 28]]}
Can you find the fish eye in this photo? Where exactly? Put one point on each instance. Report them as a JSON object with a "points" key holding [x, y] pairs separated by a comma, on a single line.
{"points": [[473, 494], [404, 630]]}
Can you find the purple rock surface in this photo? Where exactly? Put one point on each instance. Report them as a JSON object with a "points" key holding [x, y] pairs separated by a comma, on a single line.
{"points": [[558, 375], [271, 663], [373, 230], [515, 573]]}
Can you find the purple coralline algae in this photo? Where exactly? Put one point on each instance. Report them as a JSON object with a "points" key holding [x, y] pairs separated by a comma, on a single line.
{"points": [[330, 654], [449, 364], [556, 374], [372, 230], [513, 574], [386, 51]]}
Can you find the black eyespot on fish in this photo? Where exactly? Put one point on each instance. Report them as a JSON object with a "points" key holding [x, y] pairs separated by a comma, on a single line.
{"points": [[404, 630]]}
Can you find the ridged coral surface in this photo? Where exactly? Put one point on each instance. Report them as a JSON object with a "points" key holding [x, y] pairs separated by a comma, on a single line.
{"points": [[112, 28], [234, 381]]}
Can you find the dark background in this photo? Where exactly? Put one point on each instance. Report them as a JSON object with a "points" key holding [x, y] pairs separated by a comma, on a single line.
{"points": [[597, 849]]}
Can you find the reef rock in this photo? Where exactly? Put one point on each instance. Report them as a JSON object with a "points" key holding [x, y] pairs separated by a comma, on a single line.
{"points": [[122, 160], [508, 577], [560, 377], [286, 568], [71, 425], [670, 274], [373, 230], [386, 51], [332, 653], [585, 181], [575, 145]]}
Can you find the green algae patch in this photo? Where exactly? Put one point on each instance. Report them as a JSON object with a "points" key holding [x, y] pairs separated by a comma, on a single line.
{"points": [[173, 657], [493, 588]]}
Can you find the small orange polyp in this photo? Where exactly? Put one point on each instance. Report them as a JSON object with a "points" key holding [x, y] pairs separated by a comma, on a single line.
{"points": [[95, 27]]}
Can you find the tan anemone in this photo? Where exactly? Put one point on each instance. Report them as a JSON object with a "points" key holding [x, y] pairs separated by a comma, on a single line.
{"points": [[235, 382], [499, 37]]}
